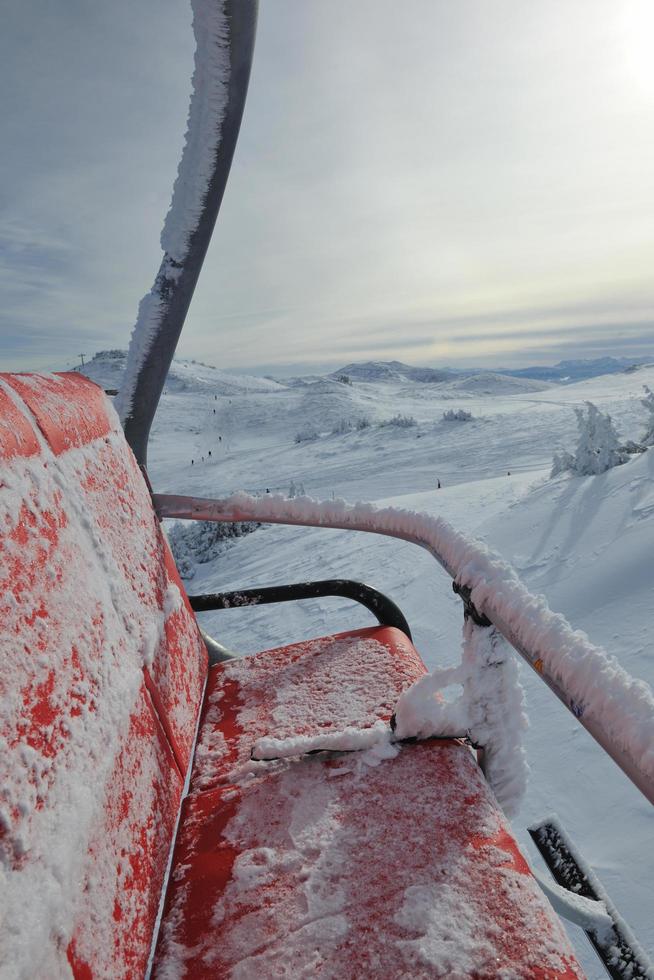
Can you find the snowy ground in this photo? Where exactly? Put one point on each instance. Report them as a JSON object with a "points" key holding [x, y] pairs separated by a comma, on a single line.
{"points": [[585, 543]]}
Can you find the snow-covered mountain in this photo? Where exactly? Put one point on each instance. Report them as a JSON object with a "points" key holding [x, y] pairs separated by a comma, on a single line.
{"points": [[579, 369], [107, 367], [565, 372], [393, 371], [490, 383]]}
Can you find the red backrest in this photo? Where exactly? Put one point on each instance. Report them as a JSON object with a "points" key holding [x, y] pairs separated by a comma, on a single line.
{"points": [[102, 671]]}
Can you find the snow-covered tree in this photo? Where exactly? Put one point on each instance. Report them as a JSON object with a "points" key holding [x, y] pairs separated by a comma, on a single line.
{"points": [[457, 415], [598, 446], [200, 542], [400, 421]]}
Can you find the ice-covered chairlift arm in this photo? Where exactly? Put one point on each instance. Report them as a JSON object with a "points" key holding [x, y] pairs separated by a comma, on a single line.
{"points": [[225, 33], [615, 709]]}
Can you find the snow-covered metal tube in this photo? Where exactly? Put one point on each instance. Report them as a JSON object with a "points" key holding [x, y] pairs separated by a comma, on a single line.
{"points": [[615, 708], [224, 34]]}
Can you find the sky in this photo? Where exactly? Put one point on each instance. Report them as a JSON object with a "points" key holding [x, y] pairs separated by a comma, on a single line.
{"points": [[435, 182]]}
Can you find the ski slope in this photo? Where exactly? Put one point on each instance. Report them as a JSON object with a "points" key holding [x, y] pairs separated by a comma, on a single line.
{"points": [[585, 543]]}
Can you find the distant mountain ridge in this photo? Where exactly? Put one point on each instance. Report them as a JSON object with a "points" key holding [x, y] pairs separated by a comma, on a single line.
{"points": [[107, 367], [563, 372], [394, 371], [575, 370]]}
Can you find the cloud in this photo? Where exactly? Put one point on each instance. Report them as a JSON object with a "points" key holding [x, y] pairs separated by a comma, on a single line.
{"points": [[416, 184]]}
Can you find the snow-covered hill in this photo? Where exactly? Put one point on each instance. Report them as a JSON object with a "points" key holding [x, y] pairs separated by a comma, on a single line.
{"points": [[565, 372], [490, 383], [586, 543], [107, 367], [394, 371]]}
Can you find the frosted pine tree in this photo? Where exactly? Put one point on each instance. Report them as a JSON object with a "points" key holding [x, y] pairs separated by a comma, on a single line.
{"points": [[598, 447]]}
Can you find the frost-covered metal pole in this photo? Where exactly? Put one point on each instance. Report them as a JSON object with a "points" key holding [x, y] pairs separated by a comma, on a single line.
{"points": [[224, 34], [616, 709]]}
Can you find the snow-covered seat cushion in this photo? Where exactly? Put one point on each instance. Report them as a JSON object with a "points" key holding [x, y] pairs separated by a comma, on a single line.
{"points": [[334, 865]]}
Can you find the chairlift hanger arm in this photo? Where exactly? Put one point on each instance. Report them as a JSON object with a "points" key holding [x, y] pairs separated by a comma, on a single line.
{"points": [[173, 294]]}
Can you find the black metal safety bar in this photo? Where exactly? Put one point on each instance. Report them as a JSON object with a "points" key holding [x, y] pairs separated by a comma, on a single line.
{"points": [[383, 608]]}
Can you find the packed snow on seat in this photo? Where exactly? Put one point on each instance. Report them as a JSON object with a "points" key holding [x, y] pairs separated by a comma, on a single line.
{"points": [[321, 865]]}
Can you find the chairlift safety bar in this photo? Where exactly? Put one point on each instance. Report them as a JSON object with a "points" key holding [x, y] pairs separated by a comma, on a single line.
{"points": [[267, 511]]}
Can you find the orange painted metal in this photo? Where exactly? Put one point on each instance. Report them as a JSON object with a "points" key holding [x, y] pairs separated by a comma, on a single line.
{"points": [[17, 436], [68, 408], [103, 672]]}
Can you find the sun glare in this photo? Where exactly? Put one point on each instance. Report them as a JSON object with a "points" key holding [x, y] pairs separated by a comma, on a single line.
{"points": [[637, 29]]}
